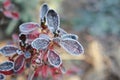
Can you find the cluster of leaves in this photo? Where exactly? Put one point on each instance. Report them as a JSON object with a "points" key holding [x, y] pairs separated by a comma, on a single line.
{"points": [[37, 47]]}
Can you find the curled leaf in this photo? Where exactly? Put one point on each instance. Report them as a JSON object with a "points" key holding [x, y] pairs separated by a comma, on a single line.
{"points": [[54, 59], [2, 76], [40, 43], [72, 46], [70, 36], [8, 50], [43, 11], [6, 67], [19, 64], [28, 27], [53, 20]]}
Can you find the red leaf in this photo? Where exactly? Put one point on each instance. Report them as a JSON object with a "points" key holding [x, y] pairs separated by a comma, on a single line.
{"points": [[54, 59], [7, 67], [7, 4], [15, 15], [19, 64], [28, 27]]}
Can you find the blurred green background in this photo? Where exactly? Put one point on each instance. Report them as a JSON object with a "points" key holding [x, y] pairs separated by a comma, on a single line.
{"points": [[96, 22]]}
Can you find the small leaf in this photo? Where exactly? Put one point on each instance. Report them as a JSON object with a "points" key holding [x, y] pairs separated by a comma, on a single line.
{"points": [[54, 59], [53, 20], [28, 27], [19, 64], [43, 11], [69, 36], [40, 43], [27, 54], [62, 31], [2, 76], [8, 50], [6, 67], [72, 46]]}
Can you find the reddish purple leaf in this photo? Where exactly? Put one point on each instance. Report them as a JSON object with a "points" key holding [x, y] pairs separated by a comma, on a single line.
{"points": [[62, 31], [8, 50], [28, 27], [19, 64], [53, 21], [54, 59], [2, 76], [6, 67], [15, 15], [40, 43], [72, 46]]}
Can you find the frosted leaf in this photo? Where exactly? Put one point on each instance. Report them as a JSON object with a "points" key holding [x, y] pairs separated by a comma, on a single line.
{"points": [[70, 36], [45, 36], [53, 21], [43, 11], [40, 43], [28, 27], [19, 63], [6, 66], [72, 46], [2, 76], [54, 59], [8, 50], [62, 31]]}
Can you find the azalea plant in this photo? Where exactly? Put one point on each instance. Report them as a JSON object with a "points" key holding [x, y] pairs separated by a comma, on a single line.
{"points": [[36, 48]]}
